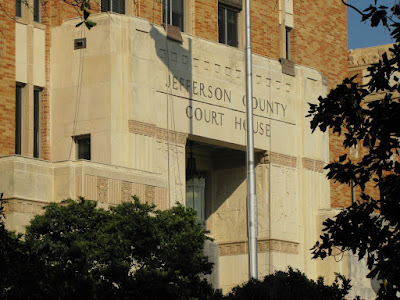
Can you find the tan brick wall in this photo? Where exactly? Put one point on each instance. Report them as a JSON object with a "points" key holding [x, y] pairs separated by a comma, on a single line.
{"points": [[48, 13], [320, 37], [7, 78], [150, 10], [359, 77], [265, 28], [320, 41], [340, 193], [206, 19]]}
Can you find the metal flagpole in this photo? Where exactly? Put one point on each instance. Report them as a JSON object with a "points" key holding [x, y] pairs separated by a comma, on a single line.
{"points": [[251, 176]]}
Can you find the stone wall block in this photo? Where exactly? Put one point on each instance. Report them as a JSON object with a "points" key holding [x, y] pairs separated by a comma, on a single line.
{"points": [[139, 191], [161, 198], [115, 191], [90, 191]]}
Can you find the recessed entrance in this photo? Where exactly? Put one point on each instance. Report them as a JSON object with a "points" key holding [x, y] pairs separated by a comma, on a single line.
{"points": [[215, 175]]}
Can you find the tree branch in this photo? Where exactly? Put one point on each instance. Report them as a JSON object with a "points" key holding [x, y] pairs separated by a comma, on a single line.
{"points": [[353, 7]]}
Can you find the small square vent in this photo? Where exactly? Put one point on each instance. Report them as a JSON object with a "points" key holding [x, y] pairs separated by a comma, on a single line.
{"points": [[79, 43]]}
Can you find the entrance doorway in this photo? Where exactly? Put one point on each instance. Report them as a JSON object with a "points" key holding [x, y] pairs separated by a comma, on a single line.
{"points": [[213, 175]]}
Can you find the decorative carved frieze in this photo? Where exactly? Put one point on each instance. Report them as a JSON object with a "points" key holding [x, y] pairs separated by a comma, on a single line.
{"points": [[367, 56], [113, 191], [264, 245], [172, 136], [23, 206], [108, 191], [102, 190], [282, 159], [151, 130], [313, 165], [149, 194], [291, 161], [142, 128], [126, 191]]}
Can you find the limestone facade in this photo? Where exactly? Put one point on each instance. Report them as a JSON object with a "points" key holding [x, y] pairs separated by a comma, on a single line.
{"points": [[140, 99]]}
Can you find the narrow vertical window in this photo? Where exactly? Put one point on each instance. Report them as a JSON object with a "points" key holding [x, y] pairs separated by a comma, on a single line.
{"points": [[195, 196], [117, 6], [36, 10], [173, 13], [195, 185], [83, 146], [287, 44], [18, 119], [18, 8], [228, 25], [36, 123]]}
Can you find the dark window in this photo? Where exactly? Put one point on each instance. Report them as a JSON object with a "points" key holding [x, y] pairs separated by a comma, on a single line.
{"points": [[195, 196], [287, 47], [228, 25], [117, 6], [79, 43], [18, 8], [36, 123], [83, 147], [18, 118], [36, 10], [173, 10]]}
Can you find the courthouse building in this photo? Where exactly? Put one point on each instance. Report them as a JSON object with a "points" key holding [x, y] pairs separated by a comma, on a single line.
{"points": [[133, 107]]}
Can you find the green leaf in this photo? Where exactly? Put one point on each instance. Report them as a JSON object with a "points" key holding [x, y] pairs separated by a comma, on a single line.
{"points": [[89, 24]]}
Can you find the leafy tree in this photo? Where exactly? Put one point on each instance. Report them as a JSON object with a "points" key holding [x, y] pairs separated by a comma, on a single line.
{"points": [[131, 251], [13, 259], [370, 227], [292, 285]]}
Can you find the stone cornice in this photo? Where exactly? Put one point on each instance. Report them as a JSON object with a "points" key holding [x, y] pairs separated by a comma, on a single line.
{"points": [[367, 56]]}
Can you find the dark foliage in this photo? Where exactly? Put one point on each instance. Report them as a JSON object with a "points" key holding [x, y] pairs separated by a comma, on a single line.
{"points": [[14, 261], [370, 227], [292, 285], [132, 251]]}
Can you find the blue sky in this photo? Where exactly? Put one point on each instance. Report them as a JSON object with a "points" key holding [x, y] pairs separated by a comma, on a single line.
{"points": [[360, 34]]}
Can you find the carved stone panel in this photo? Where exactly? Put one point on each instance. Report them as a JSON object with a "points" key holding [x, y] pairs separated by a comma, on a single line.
{"points": [[149, 194], [102, 190]]}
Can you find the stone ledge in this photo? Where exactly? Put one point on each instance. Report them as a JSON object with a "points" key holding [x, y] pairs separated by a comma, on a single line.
{"points": [[22, 179]]}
